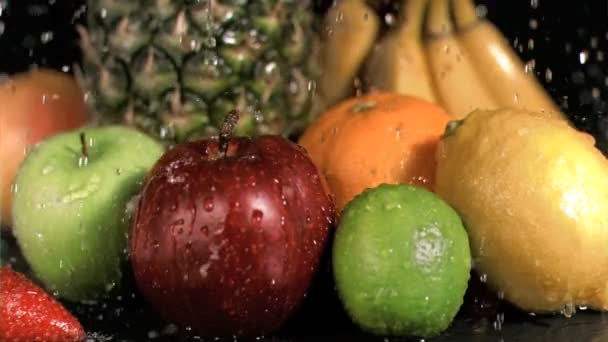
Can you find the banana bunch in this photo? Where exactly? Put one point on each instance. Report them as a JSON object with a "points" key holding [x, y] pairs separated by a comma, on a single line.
{"points": [[462, 64]]}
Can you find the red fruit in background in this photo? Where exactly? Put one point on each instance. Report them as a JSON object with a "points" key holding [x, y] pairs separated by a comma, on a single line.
{"points": [[29, 314], [33, 106], [228, 243]]}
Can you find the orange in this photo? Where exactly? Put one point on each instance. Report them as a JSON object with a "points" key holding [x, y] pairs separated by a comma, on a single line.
{"points": [[373, 139]]}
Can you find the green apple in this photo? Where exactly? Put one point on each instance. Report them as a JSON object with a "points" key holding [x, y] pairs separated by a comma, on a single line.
{"points": [[70, 206]]}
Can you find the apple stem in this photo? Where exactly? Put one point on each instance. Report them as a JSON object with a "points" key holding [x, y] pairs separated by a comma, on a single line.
{"points": [[227, 130], [83, 145]]}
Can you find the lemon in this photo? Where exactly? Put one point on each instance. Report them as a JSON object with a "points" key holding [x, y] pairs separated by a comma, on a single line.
{"points": [[401, 261], [533, 194]]}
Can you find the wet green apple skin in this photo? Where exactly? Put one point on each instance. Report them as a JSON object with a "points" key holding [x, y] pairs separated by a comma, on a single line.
{"points": [[70, 212]]}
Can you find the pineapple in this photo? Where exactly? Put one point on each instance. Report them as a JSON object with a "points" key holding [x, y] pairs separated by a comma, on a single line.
{"points": [[174, 68]]}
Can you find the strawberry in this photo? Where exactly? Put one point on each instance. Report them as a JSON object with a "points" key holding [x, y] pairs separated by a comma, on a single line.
{"points": [[28, 313]]}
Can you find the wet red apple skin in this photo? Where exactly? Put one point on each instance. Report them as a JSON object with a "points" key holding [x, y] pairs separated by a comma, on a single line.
{"points": [[229, 245]]}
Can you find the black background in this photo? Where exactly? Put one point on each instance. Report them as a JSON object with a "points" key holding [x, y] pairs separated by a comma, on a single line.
{"points": [[562, 32]]}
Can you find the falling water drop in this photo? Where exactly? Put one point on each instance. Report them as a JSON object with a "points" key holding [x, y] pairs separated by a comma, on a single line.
{"points": [[46, 37], [548, 75], [534, 4], [583, 56]]}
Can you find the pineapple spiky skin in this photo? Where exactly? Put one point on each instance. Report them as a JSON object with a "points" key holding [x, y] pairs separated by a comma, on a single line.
{"points": [[174, 68]]}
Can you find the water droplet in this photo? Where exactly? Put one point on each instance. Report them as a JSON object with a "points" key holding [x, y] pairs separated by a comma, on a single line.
{"points": [[481, 10], [530, 44], [529, 67], [483, 278], [257, 216], [339, 17], [46, 37], [308, 219], [534, 4], [83, 161], [282, 221], [153, 334], [593, 42], [548, 75], [14, 188], [533, 23], [236, 204], [204, 230], [498, 322], [272, 282], [390, 19], [203, 269], [583, 56], [569, 310], [208, 203]]}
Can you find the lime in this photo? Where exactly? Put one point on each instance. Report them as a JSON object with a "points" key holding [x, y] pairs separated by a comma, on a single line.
{"points": [[401, 261]]}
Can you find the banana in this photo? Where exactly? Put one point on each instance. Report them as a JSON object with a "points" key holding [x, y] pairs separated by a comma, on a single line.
{"points": [[349, 33], [459, 87], [397, 63], [502, 69]]}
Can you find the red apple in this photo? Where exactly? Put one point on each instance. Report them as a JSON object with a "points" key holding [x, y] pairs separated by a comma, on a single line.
{"points": [[229, 232], [33, 105]]}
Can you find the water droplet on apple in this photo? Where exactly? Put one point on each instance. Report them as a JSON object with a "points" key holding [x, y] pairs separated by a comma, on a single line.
{"points": [[14, 188], [236, 204], [204, 230], [276, 180], [155, 244], [118, 171], [308, 219], [83, 161], [173, 207], [282, 221], [208, 203], [47, 169], [203, 269], [176, 179], [253, 184], [257, 216], [212, 188]]}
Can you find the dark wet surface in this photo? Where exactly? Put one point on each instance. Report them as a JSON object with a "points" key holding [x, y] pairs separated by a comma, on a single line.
{"points": [[126, 317]]}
